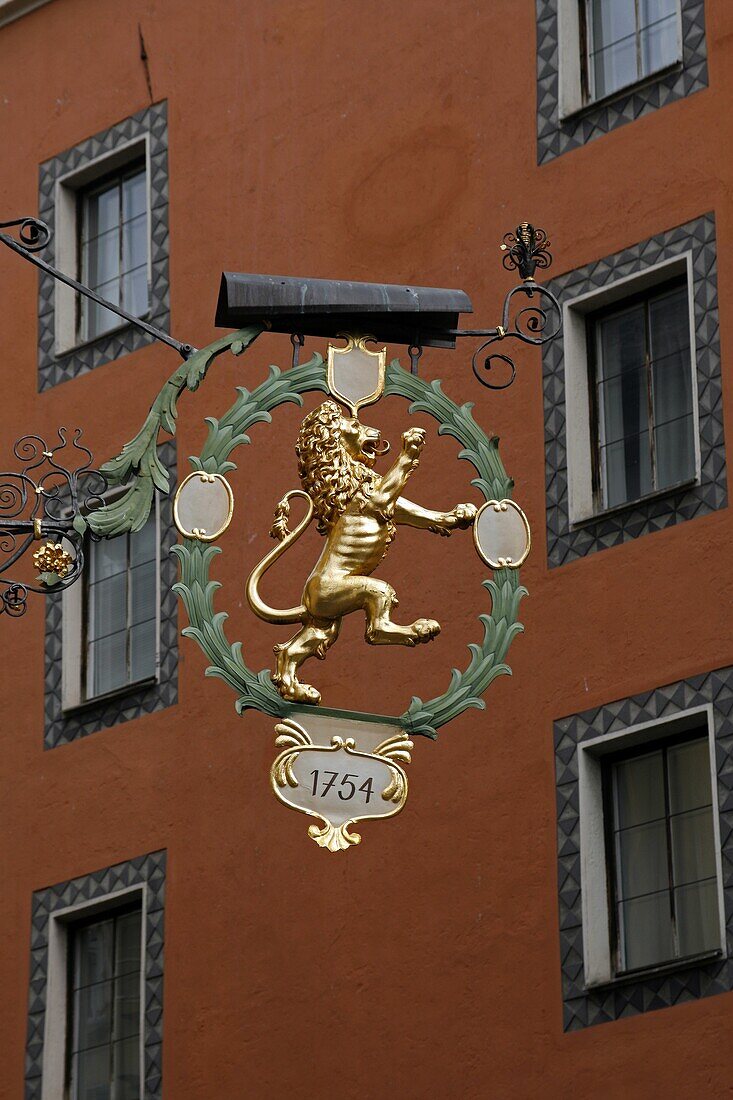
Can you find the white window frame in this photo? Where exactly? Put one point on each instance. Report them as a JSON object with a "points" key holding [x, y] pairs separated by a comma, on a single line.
{"points": [[578, 409], [573, 55], [73, 663], [595, 892], [66, 203], [60, 928]]}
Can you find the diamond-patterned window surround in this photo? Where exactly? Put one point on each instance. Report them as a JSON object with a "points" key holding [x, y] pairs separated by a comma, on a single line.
{"points": [[584, 1007], [565, 542], [60, 728], [556, 136], [147, 871], [153, 123]]}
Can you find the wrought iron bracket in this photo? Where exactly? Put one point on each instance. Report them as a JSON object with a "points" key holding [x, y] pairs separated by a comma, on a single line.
{"points": [[47, 499], [536, 323]]}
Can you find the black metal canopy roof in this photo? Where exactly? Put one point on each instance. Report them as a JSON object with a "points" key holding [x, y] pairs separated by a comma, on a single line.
{"points": [[420, 315]]}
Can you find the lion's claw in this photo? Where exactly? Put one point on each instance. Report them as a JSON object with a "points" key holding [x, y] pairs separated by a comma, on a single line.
{"points": [[425, 630]]}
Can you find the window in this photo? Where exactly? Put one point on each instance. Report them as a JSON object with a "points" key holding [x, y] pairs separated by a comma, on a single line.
{"points": [[628, 40], [641, 381], [113, 253], [661, 854], [103, 1037], [121, 611], [106, 201]]}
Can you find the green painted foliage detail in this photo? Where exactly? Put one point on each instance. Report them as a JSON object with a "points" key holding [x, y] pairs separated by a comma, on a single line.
{"points": [[138, 465], [256, 690]]}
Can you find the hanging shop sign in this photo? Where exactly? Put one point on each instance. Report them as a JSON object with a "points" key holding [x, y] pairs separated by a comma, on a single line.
{"points": [[338, 767]]}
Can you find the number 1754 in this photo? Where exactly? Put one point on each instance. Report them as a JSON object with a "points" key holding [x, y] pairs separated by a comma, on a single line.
{"points": [[346, 789]]}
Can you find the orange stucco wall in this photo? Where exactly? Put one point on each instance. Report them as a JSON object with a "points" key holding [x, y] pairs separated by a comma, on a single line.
{"points": [[386, 142]]}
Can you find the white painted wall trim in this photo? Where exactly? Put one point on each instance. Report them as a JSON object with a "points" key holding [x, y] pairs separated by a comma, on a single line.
{"points": [[10, 10], [577, 393], [597, 955]]}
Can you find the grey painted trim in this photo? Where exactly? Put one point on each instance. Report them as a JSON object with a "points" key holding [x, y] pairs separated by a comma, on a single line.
{"points": [[62, 728], [584, 1006], [567, 543], [147, 871], [150, 124], [556, 135]]}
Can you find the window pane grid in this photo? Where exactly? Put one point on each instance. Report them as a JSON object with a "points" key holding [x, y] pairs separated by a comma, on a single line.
{"points": [[634, 34], [665, 896], [644, 402], [645, 431], [103, 1052], [115, 228], [667, 890], [120, 645], [114, 248], [642, 366], [123, 630]]}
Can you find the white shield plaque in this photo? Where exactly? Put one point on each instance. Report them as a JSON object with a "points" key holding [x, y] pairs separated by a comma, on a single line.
{"points": [[356, 374]]}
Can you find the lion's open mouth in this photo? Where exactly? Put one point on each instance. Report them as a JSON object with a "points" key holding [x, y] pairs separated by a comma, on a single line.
{"points": [[375, 448]]}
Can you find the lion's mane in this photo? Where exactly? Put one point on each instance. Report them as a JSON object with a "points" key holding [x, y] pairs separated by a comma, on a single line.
{"points": [[328, 473]]}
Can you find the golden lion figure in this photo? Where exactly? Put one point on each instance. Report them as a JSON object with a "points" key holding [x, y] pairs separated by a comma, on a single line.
{"points": [[357, 511]]}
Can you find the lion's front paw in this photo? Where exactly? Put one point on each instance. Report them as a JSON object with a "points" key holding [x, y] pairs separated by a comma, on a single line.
{"points": [[464, 514], [424, 630], [413, 441]]}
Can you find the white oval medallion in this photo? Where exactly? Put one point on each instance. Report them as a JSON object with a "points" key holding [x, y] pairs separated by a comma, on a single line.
{"points": [[203, 506], [501, 534]]}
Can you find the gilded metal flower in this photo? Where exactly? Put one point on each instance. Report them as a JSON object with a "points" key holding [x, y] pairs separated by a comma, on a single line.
{"points": [[54, 560]]}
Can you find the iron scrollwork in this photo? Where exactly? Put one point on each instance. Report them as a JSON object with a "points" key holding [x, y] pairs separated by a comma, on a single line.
{"points": [[46, 501], [536, 323]]}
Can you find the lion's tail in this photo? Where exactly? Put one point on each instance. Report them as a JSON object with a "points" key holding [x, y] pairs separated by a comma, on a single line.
{"points": [[286, 538]]}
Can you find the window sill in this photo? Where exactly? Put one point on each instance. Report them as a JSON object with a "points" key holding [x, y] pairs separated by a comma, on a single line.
{"points": [[638, 85], [627, 506], [63, 353], [649, 972], [108, 697]]}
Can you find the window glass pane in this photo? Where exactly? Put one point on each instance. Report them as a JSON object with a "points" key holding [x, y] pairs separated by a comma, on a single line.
{"points": [[639, 785], [127, 1006], [623, 405], [135, 242], [134, 195], [102, 211], [642, 859], [143, 595], [669, 337], [127, 949], [693, 852], [142, 543], [135, 291], [93, 953], [102, 258], [127, 1069], [698, 923], [90, 1075], [98, 319], [93, 1015], [107, 663], [107, 606], [688, 766], [646, 930], [615, 67], [142, 650], [658, 34]]}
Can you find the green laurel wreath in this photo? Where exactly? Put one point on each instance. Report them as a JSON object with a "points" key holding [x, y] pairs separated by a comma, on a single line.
{"points": [[139, 461]]}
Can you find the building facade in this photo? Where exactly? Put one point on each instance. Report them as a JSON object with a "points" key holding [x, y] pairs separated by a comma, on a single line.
{"points": [[552, 913]]}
